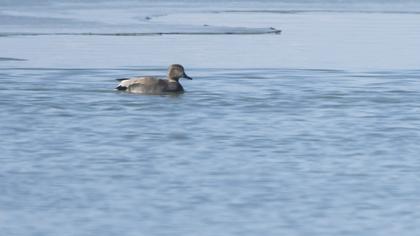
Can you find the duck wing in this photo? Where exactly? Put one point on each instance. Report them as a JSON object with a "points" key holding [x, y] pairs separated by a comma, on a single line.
{"points": [[125, 83], [146, 85]]}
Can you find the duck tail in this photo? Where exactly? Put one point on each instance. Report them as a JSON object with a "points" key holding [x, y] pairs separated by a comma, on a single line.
{"points": [[119, 87], [122, 79]]}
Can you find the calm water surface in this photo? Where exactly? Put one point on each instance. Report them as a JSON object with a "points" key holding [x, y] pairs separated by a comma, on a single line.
{"points": [[310, 132]]}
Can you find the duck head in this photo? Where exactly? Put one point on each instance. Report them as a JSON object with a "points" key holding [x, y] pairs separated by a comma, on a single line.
{"points": [[176, 72]]}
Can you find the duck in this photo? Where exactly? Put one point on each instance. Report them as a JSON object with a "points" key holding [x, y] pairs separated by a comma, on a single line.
{"points": [[155, 85]]}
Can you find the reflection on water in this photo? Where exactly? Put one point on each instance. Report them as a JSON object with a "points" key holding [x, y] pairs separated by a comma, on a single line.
{"points": [[241, 152]]}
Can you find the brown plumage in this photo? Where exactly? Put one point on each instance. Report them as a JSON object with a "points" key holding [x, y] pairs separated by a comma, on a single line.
{"points": [[154, 85]]}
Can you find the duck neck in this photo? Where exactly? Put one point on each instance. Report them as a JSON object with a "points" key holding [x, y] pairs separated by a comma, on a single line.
{"points": [[171, 80]]}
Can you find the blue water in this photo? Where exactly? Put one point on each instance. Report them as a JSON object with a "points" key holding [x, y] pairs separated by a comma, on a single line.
{"points": [[311, 132]]}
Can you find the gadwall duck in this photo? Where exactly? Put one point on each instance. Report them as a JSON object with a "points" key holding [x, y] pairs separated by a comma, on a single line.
{"points": [[154, 85]]}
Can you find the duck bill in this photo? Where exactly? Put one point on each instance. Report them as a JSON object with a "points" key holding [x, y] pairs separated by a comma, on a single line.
{"points": [[186, 77]]}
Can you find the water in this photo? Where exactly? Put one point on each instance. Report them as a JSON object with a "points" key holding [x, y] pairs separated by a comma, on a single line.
{"points": [[311, 132]]}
